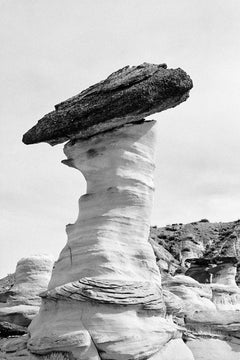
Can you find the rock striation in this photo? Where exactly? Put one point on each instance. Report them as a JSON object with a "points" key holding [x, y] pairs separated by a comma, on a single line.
{"points": [[203, 310], [105, 299], [20, 301], [6, 284], [196, 247], [127, 95], [20, 292], [206, 298]]}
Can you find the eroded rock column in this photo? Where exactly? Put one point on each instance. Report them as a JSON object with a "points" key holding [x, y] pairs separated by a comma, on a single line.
{"points": [[107, 269], [104, 299], [109, 239], [31, 277]]}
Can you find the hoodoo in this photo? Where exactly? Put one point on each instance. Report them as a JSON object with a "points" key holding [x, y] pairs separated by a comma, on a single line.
{"points": [[20, 302], [105, 299]]}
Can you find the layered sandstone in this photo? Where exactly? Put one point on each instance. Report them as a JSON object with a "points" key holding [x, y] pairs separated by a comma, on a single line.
{"points": [[205, 311], [22, 298], [107, 268], [209, 313], [105, 299], [206, 296], [6, 284], [203, 241]]}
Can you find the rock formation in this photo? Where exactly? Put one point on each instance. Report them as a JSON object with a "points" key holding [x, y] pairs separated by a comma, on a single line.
{"points": [[6, 284], [196, 247], [204, 308], [126, 96], [20, 292], [201, 290], [105, 299], [20, 301]]}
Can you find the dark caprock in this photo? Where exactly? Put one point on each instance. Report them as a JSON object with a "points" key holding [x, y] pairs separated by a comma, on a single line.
{"points": [[126, 96]]}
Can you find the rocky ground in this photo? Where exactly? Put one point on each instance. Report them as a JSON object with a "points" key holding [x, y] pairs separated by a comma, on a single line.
{"points": [[177, 246], [200, 278]]}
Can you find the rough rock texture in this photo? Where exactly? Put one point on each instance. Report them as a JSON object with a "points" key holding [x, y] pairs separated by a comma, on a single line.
{"points": [[14, 348], [198, 245], [22, 291], [206, 298], [128, 95], [206, 312], [9, 329], [6, 284], [104, 299]]}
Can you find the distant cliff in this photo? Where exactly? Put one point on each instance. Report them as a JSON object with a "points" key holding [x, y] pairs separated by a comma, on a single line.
{"points": [[178, 246], [199, 264]]}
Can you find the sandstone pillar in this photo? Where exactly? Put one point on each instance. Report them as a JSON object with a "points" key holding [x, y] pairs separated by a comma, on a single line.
{"points": [[104, 300], [107, 269], [22, 299]]}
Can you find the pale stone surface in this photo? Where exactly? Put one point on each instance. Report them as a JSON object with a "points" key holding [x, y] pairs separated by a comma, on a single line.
{"points": [[209, 253], [18, 314], [174, 304], [14, 344], [194, 296], [14, 348], [225, 273], [31, 278], [174, 350], [109, 238], [215, 322], [104, 299], [6, 284], [165, 260], [226, 297], [214, 349], [211, 314]]}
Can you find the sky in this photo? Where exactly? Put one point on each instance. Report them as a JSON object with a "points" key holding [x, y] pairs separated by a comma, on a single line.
{"points": [[52, 50]]}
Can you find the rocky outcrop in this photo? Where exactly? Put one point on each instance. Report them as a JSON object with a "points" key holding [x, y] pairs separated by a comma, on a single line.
{"points": [[126, 96], [204, 313], [105, 299], [22, 292], [206, 296], [9, 329], [6, 284], [107, 269], [14, 348], [207, 243], [209, 314]]}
